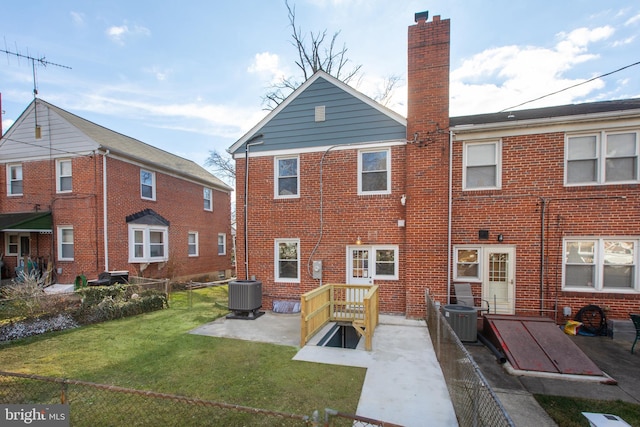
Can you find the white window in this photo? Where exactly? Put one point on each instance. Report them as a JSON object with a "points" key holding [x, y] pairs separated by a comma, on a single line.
{"points": [[601, 158], [601, 264], [467, 264], [148, 243], [386, 263], [287, 182], [287, 260], [147, 184], [14, 180], [192, 243], [63, 176], [17, 244], [65, 243], [222, 244], [374, 172], [208, 199], [481, 166]]}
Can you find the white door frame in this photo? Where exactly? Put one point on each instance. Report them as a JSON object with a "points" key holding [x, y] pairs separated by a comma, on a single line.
{"points": [[498, 278], [360, 271]]}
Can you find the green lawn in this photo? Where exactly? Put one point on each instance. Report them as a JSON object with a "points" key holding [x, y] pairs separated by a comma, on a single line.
{"points": [[567, 411], [154, 352]]}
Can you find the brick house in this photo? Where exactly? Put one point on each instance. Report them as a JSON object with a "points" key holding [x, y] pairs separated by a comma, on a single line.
{"points": [[91, 200], [502, 201], [325, 182]]}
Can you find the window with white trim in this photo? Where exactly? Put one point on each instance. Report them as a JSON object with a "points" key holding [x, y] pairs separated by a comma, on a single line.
{"points": [[466, 264], [222, 244], [63, 176], [601, 158], [287, 260], [601, 264], [148, 243], [374, 172], [482, 165], [192, 243], [208, 199], [14, 180], [386, 262], [65, 243], [287, 173], [147, 184], [13, 243]]}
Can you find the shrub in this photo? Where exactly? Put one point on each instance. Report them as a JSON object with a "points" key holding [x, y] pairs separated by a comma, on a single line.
{"points": [[116, 302], [25, 294]]}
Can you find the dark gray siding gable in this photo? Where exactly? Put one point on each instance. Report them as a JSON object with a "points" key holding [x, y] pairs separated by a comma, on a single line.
{"points": [[348, 120]]}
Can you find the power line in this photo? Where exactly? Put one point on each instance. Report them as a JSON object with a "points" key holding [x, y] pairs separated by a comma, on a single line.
{"points": [[570, 87]]}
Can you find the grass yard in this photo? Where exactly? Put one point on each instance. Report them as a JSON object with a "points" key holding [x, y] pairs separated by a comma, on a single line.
{"points": [[154, 352], [567, 411]]}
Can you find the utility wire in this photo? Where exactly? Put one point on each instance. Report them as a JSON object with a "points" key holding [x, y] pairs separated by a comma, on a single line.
{"points": [[570, 87]]}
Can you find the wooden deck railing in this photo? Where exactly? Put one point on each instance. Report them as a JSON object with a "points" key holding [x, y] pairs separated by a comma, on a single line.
{"points": [[357, 304]]}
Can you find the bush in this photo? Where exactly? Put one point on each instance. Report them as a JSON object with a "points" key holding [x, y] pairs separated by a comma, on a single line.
{"points": [[25, 296], [116, 302]]}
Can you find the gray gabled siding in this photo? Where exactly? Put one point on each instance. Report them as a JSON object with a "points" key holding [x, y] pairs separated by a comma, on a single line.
{"points": [[348, 120]]}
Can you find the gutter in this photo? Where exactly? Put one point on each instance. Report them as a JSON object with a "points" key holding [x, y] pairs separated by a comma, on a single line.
{"points": [[449, 217], [105, 210]]}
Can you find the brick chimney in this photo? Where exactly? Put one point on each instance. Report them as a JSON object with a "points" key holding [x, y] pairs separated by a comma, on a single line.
{"points": [[428, 74], [427, 161]]}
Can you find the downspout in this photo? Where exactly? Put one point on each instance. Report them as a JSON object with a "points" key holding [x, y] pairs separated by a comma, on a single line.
{"points": [[246, 201], [105, 210], [449, 220], [543, 207]]}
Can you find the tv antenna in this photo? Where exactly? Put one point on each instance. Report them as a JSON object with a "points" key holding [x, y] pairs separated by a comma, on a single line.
{"points": [[34, 61]]}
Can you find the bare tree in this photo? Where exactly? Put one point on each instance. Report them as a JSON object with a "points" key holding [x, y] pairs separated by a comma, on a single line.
{"points": [[224, 167], [317, 52]]}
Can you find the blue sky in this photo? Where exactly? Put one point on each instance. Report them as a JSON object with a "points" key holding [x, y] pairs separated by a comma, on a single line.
{"points": [[188, 76]]}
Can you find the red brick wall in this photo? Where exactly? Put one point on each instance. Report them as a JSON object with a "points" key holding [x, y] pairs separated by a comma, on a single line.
{"points": [[181, 203], [427, 161], [532, 172], [177, 200], [346, 216]]}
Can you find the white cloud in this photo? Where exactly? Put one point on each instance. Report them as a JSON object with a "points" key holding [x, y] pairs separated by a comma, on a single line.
{"points": [[77, 17], [159, 73], [117, 33], [6, 124], [267, 65], [503, 77], [633, 20]]}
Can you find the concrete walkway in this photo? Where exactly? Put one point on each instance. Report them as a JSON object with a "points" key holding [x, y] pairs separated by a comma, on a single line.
{"points": [[403, 384]]}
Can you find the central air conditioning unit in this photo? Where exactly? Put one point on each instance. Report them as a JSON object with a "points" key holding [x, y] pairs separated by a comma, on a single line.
{"points": [[245, 299], [463, 321]]}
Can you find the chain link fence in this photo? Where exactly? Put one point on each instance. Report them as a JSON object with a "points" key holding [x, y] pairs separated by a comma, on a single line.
{"points": [[92, 404], [473, 400]]}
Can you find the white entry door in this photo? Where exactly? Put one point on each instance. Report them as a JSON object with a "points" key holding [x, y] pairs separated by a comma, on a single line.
{"points": [[359, 267], [498, 284]]}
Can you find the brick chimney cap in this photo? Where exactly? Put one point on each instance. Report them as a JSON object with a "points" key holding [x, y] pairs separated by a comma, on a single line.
{"points": [[421, 16]]}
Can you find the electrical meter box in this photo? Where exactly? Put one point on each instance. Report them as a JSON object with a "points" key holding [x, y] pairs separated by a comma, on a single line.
{"points": [[317, 270]]}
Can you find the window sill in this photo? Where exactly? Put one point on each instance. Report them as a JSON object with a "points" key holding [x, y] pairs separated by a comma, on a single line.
{"points": [[620, 293]]}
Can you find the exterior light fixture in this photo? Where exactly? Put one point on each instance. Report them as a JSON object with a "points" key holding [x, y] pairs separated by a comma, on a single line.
{"points": [[358, 241]]}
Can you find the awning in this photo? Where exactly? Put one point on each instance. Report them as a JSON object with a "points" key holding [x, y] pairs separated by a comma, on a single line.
{"points": [[26, 222]]}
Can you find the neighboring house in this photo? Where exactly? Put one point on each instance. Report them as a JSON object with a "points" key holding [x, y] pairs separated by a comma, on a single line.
{"points": [[90, 200], [537, 209]]}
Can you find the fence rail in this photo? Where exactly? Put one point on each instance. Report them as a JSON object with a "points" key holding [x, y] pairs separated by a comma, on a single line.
{"points": [[92, 404], [473, 400], [357, 304]]}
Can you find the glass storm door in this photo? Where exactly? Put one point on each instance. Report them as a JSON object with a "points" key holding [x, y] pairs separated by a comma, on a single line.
{"points": [[359, 268], [499, 281]]}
